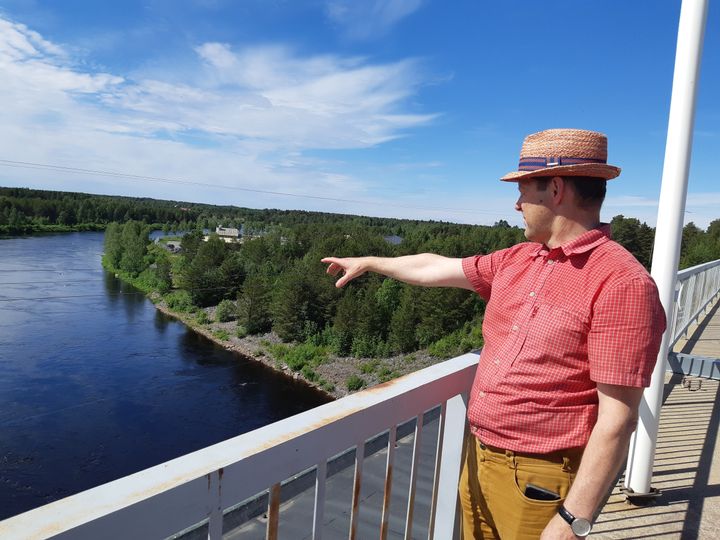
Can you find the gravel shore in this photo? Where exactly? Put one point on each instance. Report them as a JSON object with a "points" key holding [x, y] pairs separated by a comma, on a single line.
{"points": [[336, 370]]}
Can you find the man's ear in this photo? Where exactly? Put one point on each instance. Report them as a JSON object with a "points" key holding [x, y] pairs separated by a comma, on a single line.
{"points": [[558, 189]]}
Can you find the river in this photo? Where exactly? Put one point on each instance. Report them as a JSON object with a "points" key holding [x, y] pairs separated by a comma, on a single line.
{"points": [[97, 384]]}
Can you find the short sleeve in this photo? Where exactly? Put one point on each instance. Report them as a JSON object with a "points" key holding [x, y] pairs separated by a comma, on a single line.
{"points": [[480, 271], [625, 332]]}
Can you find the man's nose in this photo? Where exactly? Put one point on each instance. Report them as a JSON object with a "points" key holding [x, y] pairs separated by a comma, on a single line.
{"points": [[517, 206]]}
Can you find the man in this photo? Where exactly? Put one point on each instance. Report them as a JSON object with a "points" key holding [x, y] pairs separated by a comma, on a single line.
{"points": [[572, 329]]}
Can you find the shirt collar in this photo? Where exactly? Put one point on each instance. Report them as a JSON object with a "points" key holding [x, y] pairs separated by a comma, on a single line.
{"points": [[582, 244]]}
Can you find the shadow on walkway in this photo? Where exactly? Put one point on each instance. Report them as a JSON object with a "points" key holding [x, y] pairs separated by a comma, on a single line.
{"points": [[697, 334]]}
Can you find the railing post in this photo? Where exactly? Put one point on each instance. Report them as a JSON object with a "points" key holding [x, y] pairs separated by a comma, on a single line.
{"points": [[671, 210], [446, 509], [215, 523]]}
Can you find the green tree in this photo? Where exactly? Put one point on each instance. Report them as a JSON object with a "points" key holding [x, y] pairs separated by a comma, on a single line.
{"points": [[134, 242], [113, 244], [288, 307], [403, 323], [254, 304], [226, 311], [203, 276], [163, 271], [190, 243]]}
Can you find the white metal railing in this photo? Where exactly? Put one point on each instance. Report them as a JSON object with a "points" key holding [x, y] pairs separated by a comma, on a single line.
{"points": [[201, 487], [695, 290]]}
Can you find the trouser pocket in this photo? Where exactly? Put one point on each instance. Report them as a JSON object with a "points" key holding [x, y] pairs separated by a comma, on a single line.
{"points": [[530, 515]]}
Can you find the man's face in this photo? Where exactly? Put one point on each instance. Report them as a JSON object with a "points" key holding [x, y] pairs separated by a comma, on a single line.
{"points": [[533, 203]]}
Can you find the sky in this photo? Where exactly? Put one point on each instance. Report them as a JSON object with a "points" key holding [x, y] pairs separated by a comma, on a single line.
{"points": [[393, 108]]}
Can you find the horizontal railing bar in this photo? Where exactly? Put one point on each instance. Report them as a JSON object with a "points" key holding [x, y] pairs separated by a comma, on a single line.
{"points": [[179, 485], [694, 365], [687, 272]]}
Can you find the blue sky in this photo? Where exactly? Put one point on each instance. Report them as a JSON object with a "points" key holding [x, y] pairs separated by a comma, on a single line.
{"points": [[399, 108]]}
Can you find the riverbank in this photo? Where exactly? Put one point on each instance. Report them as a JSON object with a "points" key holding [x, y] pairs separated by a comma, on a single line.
{"points": [[336, 376]]}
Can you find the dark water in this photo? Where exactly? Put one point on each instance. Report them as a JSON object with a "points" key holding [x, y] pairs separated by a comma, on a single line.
{"points": [[96, 384]]}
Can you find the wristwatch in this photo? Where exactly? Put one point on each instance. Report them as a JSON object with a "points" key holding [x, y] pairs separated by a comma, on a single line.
{"points": [[580, 526]]}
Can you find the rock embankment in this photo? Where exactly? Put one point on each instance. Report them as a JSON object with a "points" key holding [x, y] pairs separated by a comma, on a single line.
{"points": [[333, 373]]}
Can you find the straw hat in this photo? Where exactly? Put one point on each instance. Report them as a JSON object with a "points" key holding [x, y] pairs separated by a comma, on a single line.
{"points": [[564, 152]]}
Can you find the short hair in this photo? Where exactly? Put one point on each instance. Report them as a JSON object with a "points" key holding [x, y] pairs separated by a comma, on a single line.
{"points": [[590, 190]]}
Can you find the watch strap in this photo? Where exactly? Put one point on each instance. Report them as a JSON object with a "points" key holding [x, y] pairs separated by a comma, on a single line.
{"points": [[566, 515], [580, 526]]}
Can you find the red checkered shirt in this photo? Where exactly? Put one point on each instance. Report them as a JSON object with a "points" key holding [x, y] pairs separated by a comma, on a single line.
{"points": [[556, 323]]}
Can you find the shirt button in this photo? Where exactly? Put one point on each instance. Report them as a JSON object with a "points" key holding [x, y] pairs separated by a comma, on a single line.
{"points": [[550, 261], [515, 328], [496, 362], [481, 394], [532, 293]]}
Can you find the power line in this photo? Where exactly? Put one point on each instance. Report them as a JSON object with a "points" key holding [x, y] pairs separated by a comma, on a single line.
{"points": [[115, 174]]}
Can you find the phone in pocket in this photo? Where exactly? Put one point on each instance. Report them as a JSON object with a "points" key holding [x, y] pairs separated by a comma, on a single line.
{"points": [[540, 493]]}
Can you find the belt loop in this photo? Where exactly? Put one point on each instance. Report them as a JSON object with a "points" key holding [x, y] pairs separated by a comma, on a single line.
{"points": [[510, 457], [566, 465], [480, 450]]}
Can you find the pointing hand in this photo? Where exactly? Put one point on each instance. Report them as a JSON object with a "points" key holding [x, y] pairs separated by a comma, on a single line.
{"points": [[351, 268]]}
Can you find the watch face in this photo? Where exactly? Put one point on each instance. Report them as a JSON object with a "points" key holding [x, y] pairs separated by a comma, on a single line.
{"points": [[581, 527]]}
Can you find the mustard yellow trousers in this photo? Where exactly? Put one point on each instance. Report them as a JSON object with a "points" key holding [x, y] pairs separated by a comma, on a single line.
{"points": [[492, 490]]}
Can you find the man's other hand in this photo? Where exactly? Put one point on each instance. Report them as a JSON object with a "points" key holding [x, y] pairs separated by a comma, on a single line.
{"points": [[558, 529]]}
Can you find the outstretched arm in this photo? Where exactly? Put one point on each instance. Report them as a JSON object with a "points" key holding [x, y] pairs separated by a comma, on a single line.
{"points": [[425, 269]]}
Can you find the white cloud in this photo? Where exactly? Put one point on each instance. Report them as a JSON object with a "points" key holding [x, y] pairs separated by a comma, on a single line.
{"points": [[253, 112], [369, 18]]}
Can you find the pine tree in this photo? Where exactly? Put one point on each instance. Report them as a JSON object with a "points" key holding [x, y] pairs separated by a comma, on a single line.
{"points": [[203, 276], [289, 305], [403, 323], [254, 304]]}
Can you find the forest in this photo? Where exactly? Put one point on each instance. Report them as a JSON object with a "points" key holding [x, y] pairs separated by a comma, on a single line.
{"points": [[274, 280]]}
